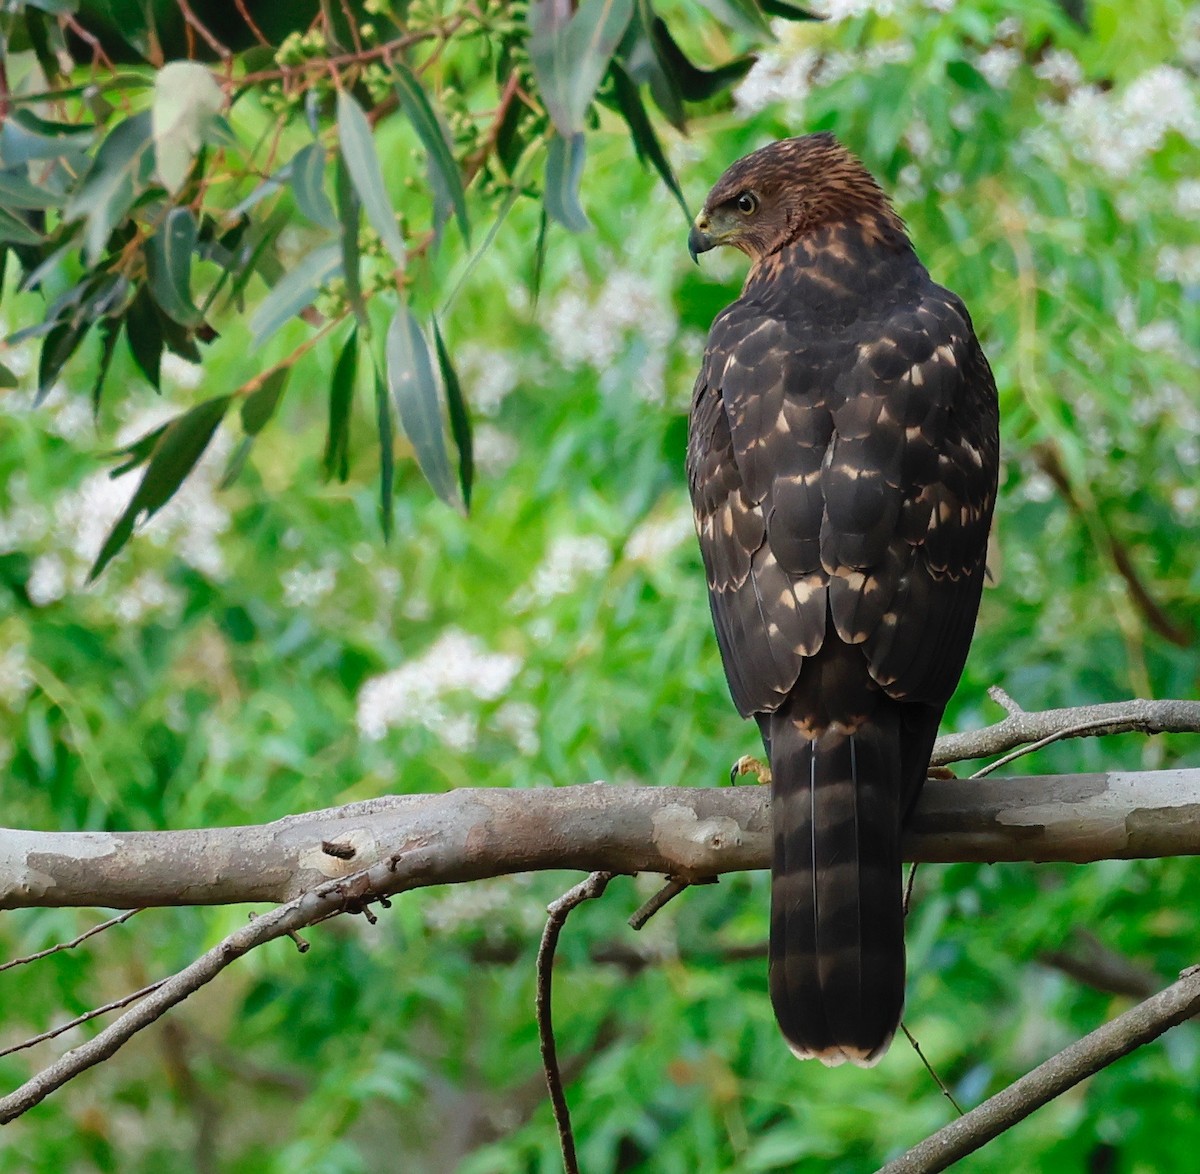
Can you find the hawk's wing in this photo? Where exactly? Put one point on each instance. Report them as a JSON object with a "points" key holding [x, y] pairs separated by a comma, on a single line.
{"points": [[852, 478]]}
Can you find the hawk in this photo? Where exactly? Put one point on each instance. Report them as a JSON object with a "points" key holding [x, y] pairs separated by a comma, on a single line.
{"points": [[843, 449]]}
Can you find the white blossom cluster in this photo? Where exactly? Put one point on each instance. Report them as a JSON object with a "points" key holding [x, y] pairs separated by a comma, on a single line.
{"points": [[596, 333], [659, 537], [1116, 130], [570, 560], [418, 692]]}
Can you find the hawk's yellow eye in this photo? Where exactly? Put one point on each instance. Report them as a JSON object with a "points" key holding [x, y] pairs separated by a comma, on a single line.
{"points": [[747, 203]]}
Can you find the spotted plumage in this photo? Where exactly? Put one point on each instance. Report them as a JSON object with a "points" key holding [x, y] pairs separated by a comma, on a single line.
{"points": [[842, 459]]}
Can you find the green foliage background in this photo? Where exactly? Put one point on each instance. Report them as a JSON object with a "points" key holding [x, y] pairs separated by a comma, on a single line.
{"points": [[259, 649]]}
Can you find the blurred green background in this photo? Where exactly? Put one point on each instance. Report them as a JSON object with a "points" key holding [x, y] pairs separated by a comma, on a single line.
{"points": [[260, 650]]}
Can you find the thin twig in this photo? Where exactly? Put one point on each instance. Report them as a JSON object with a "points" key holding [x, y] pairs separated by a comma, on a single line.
{"points": [[1076, 731], [1116, 717], [674, 886], [558, 912], [123, 1001], [1107, 1044], [72, 943], [916, 1047]]}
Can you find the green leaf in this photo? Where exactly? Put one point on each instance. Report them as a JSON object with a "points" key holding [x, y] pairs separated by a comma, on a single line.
{"points": [[460, 419], [144, 333], [387, 454], [743, 16], [17, 192], [645, 141], [570, 57], [418, 400], [295, 291], [259, 406], [57, 347], [786, 10], [349, 211], [25, 138], [187, 99], [696, 84], [122, 170], [358, 150], [308, 184], [341, 396], [14, 230], [564, 170], [443, 168], [169, 263], [237, 462], [177, 449], [110, 331], [7, 378]]}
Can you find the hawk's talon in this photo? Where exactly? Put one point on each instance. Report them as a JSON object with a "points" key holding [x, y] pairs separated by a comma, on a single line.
{"points": [[749, 765]]}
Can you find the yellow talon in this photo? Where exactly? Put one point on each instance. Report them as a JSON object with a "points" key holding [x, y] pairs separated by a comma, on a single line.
{"points": [[749, 765]]}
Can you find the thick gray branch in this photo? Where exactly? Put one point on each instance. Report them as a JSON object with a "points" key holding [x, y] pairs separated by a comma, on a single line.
{"points": [[689, 832], [1117, 717], [1117, 1038]]}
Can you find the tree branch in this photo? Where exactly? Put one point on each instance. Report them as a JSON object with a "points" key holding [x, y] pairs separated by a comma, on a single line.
{"points": [[1116, 717], [686, 832], [1117, 1038]]}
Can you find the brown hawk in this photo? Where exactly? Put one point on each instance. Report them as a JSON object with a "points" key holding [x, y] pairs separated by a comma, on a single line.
{"points": [[842, 458]]}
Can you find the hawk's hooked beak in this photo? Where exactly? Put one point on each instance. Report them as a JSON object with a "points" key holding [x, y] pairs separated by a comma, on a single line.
{"points": [[698, 239]]}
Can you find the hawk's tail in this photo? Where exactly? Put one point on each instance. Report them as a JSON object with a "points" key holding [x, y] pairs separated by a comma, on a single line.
{"points": [[837, 918]]}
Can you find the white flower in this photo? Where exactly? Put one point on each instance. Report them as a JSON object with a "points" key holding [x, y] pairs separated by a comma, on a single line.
{"points": [[47, 580], [570, 560], [416, 692], [494, 451], [1059, 68], [305, 586], [519, 721], [1181, 265], [16, 680], [487, 376], [998, 64], [656, 538]]}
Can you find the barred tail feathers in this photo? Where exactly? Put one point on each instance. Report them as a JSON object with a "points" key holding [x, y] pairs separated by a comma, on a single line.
{"points": [[837, 920]]}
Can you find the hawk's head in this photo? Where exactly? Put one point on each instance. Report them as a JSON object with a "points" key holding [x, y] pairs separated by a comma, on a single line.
{"points": [[778, 193]]}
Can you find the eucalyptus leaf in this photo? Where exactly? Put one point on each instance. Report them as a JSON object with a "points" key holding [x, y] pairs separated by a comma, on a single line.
{"points": [[259, 406], [177, 449], [169, 263], [349, 213], [308, 184], [358, 150], [570, 57], [414, 388], [144, 334], [460, 418], [341, 397], [743, 16], [295, 291], [564, 170], [122, 169], [645, 141], [15, 230], [187, 99], [443, 168], [387, 455]]}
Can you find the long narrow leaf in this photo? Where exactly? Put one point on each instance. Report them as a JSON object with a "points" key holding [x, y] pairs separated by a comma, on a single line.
{"points": [[460, 419], [308, 184], [341, 397], [178, 448], [349, 211], [418, 400], [387, 454], [564, 170], [358, 150], [645, 141], [295, 291], [169, 263], [442, 164]]}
